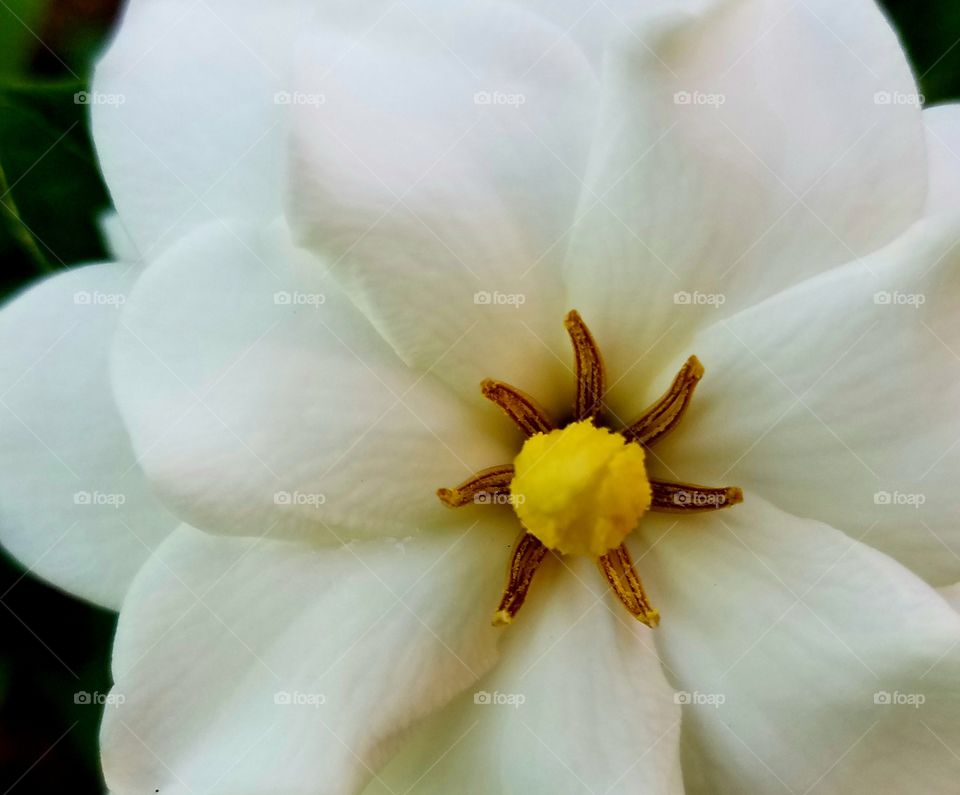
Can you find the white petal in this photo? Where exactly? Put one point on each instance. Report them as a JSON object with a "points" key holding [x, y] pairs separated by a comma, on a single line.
{"points": [[258, 407], [742, 146], [943, 154], [258, 666], [577, 704], [838, 400], [951, 593], [592, 26], [440, 175], [185, 119], [789, 637], [74, 506]]}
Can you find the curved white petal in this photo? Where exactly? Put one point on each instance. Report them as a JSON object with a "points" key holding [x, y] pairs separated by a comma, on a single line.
{"points": [[188, 113], [578, 704], [75, 507], [256, 666], [742, 146], [259, 407], [943, 153], [810, 662], [438, 171], [838, 400]]}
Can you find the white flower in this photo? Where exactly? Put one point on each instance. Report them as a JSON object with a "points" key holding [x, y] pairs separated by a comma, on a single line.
{"points": [[730, 179]]}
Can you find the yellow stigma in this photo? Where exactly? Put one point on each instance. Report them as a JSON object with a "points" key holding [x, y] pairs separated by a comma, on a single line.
{"points": [[580, 490]]}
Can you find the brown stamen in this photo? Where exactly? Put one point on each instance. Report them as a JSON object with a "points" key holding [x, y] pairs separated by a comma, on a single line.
{"points": [[518, 406], [589, 363], [527, 556], [664, 415], [620, 573], [688, 498], [483, 488]]}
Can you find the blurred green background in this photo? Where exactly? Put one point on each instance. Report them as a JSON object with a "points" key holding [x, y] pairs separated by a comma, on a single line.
{"points": [[52, 646]]}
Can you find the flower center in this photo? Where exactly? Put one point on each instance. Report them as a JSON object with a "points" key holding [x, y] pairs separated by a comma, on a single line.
{"points": [[581, 489]]}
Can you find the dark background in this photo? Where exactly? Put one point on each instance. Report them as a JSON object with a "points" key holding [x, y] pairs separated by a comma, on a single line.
{"points": [[53, 646]]}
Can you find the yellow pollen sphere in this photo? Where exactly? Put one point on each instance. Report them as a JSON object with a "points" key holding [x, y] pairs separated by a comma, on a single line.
{"points": [[580, 489]]}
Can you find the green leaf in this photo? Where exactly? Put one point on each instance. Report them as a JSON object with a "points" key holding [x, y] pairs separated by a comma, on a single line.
{"points": [[19, 19], [51, 192]]}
